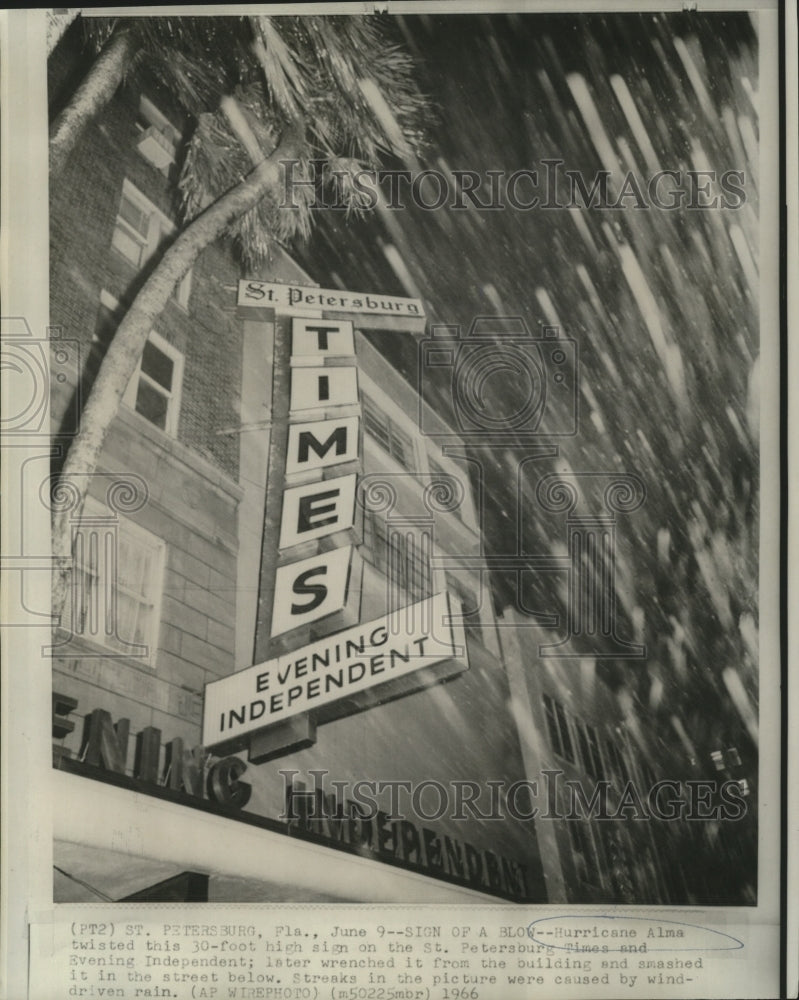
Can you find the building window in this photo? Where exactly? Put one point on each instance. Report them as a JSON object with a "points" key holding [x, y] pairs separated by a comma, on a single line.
{"points": [[154, 389], [117, 577], [388, 434], [139, 230], [589, 750], [132, 231], [158, 138], [583, 852], [400, 554], [558, 729]]}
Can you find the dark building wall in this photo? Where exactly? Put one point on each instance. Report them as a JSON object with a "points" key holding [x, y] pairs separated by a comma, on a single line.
{"points": [[191, 477], [84, 203]]}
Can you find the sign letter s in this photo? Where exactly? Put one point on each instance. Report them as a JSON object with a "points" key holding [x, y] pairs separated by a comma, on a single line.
{"points": [[317, 591]]}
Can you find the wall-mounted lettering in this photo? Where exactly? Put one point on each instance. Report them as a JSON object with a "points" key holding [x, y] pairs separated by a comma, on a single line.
{"points": [[310, 589], [339, 666], [323, 388], [321, 338], [321, 443], [316, 510]]}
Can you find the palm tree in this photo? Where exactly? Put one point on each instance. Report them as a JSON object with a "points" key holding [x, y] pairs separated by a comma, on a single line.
{"points": [[297, 88], [197, 58]]}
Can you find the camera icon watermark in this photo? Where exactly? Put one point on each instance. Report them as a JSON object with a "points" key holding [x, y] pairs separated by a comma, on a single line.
{"points": [[30, 367], [504, 382]]}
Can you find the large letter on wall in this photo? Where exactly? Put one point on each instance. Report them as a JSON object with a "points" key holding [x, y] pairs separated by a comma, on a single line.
{"points": [[317, 509], [321, 338], [323, 388], [322, 443], [310, 589]]}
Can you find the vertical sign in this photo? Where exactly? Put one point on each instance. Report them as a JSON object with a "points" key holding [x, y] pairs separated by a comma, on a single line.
{"points": [[322, 434]]}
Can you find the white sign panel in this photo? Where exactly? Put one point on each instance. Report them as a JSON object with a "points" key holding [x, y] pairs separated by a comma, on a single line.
{"points": [[317, 388], [322, 443], [322, 338], [285, 297], [316, 510], [310, 589], [336, 667]]}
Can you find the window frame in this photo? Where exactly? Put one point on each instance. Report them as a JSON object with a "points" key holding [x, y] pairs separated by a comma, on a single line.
{"points": [[96, 513], [583, 845], [398, 443], [155, 118], [557, 722], [159, 227], [590, 750], [175, 396]]}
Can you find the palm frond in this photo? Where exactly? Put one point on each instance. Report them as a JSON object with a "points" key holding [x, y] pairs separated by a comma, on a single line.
{"points": [[344, 77], [284, 76]]}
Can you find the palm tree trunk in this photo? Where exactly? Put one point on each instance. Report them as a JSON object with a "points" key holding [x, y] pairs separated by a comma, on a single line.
{"points": [[128, 343], [97, 88], [57, 25]]}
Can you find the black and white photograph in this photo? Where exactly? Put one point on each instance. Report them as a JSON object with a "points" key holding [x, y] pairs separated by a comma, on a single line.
{"points": [[406, 427]]}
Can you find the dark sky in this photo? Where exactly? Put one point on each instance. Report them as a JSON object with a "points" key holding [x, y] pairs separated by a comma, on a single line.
{"points": [[662, 304]]}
